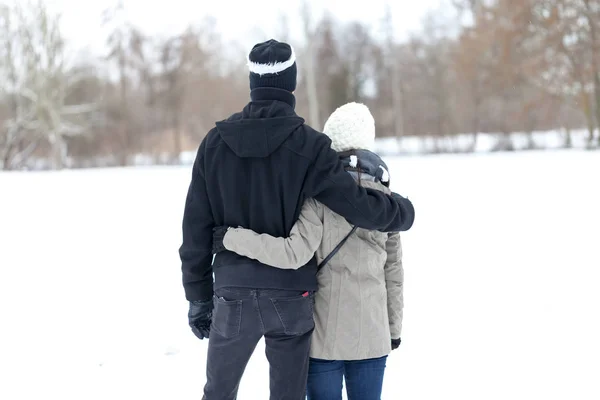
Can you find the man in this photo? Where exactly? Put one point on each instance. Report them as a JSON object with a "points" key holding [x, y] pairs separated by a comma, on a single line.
{"points": [[255, 170]]}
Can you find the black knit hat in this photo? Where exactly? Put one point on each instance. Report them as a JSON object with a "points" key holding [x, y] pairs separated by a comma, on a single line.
{"points": [[272, 64]]}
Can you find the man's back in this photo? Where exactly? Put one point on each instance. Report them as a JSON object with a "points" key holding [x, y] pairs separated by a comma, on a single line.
{"points": [[256, 163]]}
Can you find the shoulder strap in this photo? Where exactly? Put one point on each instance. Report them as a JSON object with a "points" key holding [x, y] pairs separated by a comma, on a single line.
{"points": [[336, 249]]}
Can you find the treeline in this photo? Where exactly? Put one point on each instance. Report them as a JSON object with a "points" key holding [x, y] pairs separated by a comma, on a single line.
{"points": [[498, 66]]}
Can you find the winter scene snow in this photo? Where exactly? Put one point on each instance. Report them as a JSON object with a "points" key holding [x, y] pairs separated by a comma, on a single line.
{"points": [[501, 283], [486, 113]]}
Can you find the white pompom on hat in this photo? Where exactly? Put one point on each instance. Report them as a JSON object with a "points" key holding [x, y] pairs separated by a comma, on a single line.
{"points": [[350, 127]]}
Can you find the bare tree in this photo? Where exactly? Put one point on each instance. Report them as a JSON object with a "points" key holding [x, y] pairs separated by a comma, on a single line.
{"points": [[357, 51], [283, 27], [118, 43], [393, 68], [592, 16], [40, 79], [432, 56], [309, 61], [17, 141], [563, 56], [472, 64]]}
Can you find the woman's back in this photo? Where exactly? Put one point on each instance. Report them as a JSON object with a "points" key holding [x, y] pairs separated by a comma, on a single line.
{"points": [[351, 305]]}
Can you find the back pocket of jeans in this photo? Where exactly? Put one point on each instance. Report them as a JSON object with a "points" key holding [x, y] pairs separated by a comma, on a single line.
{"points": [[295, 314], [227, 317]]}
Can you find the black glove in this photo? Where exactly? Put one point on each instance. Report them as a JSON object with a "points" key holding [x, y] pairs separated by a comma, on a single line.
{"points": [[218, 236], [396, 343], [200, 317]]}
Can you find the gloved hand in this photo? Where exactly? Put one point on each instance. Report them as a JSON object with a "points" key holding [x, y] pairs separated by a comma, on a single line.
{"points": [[200, 317], [218, 236], [396, 343]]}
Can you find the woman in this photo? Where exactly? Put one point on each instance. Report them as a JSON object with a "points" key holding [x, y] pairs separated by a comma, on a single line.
{"points": [[358, 307]]}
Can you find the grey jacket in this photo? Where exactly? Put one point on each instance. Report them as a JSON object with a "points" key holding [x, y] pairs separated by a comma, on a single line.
{"points": [[358, 307]]}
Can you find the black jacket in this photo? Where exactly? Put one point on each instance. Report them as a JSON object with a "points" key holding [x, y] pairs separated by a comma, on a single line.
{"points": [[254, 170]]}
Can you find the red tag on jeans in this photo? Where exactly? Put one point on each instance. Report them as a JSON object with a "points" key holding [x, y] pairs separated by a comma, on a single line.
{"points": [[305, 294]]}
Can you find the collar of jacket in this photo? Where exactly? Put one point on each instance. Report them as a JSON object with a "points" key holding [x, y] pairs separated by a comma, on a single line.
{"points": [[267, 93]]}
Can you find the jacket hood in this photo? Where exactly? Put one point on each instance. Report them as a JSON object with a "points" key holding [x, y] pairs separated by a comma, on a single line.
{"points": [[366, 162], [260, 129]]}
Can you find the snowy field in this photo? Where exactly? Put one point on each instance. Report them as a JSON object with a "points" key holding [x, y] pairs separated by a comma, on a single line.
{"points": [[502, 283]]}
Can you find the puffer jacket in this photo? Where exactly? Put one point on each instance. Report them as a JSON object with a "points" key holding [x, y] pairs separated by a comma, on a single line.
{"points": [[359, 303]]}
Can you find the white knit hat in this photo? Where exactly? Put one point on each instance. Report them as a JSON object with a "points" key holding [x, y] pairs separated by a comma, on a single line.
{"points": [[351, 126]]}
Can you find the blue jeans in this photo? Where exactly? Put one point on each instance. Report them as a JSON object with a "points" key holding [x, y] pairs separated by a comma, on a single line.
{"points": [[364, 379]]}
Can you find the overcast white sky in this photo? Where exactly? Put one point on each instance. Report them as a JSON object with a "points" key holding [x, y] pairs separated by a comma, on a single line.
{"points": [[242, 21]]}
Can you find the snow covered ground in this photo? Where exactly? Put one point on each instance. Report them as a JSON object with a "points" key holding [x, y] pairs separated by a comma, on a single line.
{"points": [[502, 283]]}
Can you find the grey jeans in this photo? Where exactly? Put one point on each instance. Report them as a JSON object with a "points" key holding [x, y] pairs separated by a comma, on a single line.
{"points": [[241, 317]]}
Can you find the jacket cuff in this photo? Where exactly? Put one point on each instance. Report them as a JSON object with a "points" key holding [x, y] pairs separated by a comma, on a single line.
{"points": [[199, 291], [227, 239]]}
